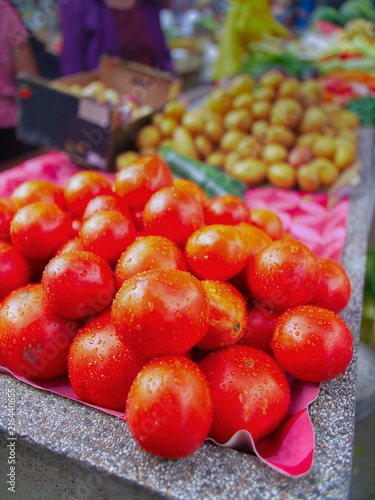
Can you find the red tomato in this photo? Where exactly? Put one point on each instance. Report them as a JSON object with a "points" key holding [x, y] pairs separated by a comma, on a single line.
{"points": [[255, 240], [107, 202], [284, 274], [14, 269], [192, 188], [146, 253], [140, 179], [107, 234], [173, 213], [6, 216], [216, 252], [261, 323], [72, 245], [227, 315], [161, 312], [78, 284], [269, 222], [169, 407], [249, 391], [37, 230], [82, 187], [101, 367], [312, 343], [34, 341], [334, 289], [35, 191], [226, 209]]}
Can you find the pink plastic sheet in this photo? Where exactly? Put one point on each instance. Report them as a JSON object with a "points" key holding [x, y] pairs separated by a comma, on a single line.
{"points": [[306, 217]]}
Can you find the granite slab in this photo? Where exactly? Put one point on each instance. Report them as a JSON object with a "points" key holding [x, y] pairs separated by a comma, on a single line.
{"points": [[64, 449]]}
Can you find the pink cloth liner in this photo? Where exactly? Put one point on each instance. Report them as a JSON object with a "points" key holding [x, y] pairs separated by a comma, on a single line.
{"points": [[306, 217]]}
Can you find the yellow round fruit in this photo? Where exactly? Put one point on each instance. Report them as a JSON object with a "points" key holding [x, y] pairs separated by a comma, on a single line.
{"points": [[243, 101], [231, 140], [289, 88], [123, 159], [219, 101], [216, 159], [271, 78], [282, 175], [167, 126], [214, 130], [274, 153], [203, 146], [238, 119], [286, 113], [324, 147], [183, 143], [193, 123], [157, 119], [261, 110], [281, 135], [251, 171], [327, 171], [308, 178], [148, 137], [175, 110], [264, 94], [231, 158], [345, 154], [241, 84]]}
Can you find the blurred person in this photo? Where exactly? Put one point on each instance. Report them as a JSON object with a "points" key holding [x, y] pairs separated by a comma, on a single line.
{"points": [[16, 55], [129, 29]]}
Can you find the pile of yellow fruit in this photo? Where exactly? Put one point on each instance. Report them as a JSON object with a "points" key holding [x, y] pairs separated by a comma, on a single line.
{"points": [[277, 130]]}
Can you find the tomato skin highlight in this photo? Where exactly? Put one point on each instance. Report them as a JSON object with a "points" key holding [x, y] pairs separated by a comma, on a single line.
{"points": [[312, 343], [78, 284], [34, 341], [268, 222], [216, 252], [249, 391], [284, 274], [334, 289], [161, 312], [14, 269], [83, 187], [226, 209], [169, 407], [101, 367]]}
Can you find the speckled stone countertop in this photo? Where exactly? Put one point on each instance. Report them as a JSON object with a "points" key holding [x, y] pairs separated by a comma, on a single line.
{"points": [[70, 451]]}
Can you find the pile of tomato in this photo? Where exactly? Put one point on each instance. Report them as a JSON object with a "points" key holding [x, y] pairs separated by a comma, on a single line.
{"points": [[187, 313]]}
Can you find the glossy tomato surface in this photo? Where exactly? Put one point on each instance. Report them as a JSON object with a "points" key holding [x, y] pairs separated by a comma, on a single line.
{"points": [[146, 253], [334, 289], [14, 269], [261, 323], [173, 213], [34, 341], [103, 203], [140, 179], [312, 343], [283, 275], [83, 187], [38, 229], [216, 252], [34, 191], [161, 312], [107, 234], [6, 216], [226, 209], [269, 222], [249, 391], [169, 407], [101, 367], [78, 284], [227, 315]]}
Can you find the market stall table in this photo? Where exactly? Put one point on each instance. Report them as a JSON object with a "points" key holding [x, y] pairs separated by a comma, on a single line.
{"points": [[65, 449]]}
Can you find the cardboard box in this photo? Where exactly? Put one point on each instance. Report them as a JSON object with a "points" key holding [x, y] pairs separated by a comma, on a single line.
{"points": [[92, 132]]}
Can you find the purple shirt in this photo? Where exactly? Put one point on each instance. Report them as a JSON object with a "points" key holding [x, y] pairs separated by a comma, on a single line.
{"points": [[89, 31]]}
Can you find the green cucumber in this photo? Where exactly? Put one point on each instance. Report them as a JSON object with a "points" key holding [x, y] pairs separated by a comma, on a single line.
{"points": [[213, 181]]}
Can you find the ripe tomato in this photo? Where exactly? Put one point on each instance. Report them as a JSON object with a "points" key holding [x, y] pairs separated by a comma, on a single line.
{"points": [[82, 187], [312, 343], [249, 391], [173, 213], [216, 252], [34, 341], [107, 234], [146, 253], [161, 312], [6, 216], [142, 178], [38, 229], [14, 269], [78, 284], [35, 191], [192, 188], [72, 245], [101, 367], [227, 315], [255, 240], [334, 289], [169, 407], [269, 222], [107, 202], [226, 209], [261, 323], [284, 274]]}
